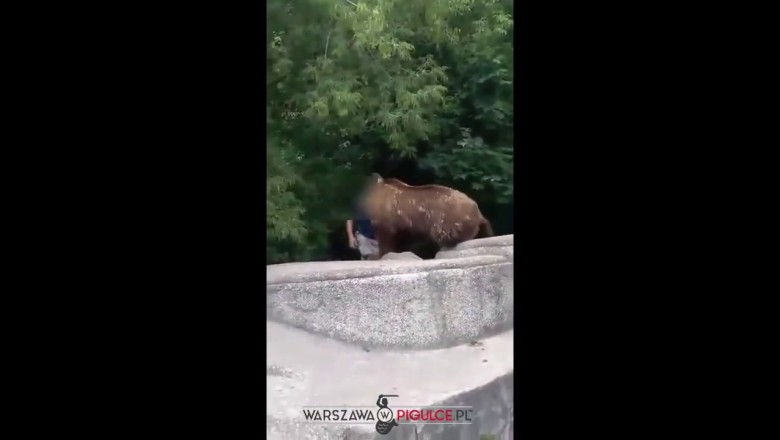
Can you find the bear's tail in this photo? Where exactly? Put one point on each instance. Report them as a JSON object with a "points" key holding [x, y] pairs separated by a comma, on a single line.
{"points": [[485, 230]]}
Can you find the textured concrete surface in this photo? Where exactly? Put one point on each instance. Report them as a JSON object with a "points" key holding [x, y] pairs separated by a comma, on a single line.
{"points": [[310, 370], [395, 303]]}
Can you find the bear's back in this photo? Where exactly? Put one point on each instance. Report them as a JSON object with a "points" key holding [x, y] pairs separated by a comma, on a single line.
{"points": [[432, 210]]}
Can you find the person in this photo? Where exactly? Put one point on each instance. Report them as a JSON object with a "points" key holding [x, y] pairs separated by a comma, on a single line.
{"points": [[361, 236]]}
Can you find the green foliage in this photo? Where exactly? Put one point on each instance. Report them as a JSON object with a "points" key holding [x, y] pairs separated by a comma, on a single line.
{"points": [[352, 84], [474, 168]]}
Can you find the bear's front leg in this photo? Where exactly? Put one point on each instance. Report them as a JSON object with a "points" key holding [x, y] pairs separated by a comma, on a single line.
{"points": [[385, 242]]}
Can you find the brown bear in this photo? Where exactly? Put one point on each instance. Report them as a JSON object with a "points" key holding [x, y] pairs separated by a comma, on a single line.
{"points": [[401, 212]]}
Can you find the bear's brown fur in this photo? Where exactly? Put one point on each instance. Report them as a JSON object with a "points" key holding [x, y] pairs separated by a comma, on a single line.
{"points": [[401, 212]]}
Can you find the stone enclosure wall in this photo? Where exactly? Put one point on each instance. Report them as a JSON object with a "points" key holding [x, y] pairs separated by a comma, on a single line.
{"points": [[398, 302], [347, 330]]}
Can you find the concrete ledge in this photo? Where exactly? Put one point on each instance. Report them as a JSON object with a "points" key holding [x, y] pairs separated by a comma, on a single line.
{"points": [[310, 370], [401, 256], [341, 270], [506, 252], [396, 303], [501, 240], [502, 246]]}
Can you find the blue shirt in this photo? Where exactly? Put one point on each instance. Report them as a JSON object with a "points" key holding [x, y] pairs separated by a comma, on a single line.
{"points": [[363, 224]]}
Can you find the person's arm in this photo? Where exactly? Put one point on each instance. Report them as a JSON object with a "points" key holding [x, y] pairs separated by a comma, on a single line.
{"points": [[350, 234]]}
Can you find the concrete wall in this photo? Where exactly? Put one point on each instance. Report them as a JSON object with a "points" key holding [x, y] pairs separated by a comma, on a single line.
{"points": [[503, 246], [400, 303], [430, 307], [305, 369]]}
